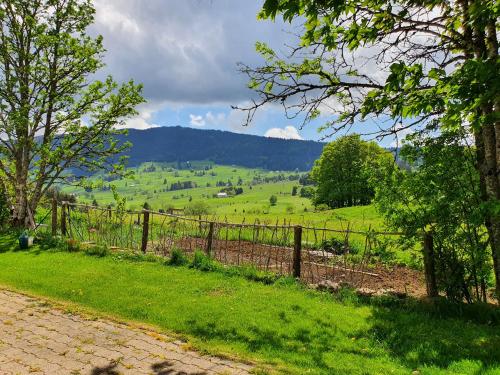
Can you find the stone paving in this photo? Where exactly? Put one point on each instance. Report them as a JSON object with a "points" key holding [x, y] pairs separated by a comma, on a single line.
{"points": [[36, 338]]}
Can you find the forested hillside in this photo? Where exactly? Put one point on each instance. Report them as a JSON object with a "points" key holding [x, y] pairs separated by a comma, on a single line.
{"points": [[170, 144]]}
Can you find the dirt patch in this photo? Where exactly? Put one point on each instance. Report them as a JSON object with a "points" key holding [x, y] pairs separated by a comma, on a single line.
{"points": [[316, 266]]}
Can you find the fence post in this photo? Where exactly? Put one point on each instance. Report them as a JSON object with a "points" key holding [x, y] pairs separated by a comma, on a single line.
{"points": [[54, 216], [297, 249], [64, 230], [210, 238], [145, 231], [429, 266]]}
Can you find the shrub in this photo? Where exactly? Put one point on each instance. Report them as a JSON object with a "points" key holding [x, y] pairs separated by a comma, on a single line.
{"points": [[47, 241], [177, 258], [273, 200], [73, 246], [97, 251], [254, 274], [203, 262]]}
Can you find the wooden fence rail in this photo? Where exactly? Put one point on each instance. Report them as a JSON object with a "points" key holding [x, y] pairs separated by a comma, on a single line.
{"points": [[294, 250]]}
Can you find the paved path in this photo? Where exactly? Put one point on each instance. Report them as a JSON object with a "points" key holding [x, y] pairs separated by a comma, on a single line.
{"points": [[36, 338]]}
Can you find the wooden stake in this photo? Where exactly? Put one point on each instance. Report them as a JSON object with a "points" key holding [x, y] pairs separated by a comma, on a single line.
{"points": [[297, 249], [54, 216], [145, 231], [210, 238]]}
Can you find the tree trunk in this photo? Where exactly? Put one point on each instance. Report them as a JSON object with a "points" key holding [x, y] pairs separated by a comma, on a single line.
{"points": [[22, 215], [487, 140]]}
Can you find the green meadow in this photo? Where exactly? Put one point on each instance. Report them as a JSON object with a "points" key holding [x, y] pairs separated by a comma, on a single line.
{"points": [[253, 204]]}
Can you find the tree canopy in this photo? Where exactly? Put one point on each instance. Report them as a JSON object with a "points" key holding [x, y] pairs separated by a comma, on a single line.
{"points": [[54, 114], [440, 194], [344, 172], [402, 65]]}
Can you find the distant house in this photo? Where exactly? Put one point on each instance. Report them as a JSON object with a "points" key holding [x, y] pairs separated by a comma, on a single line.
{"points": [[222, 195]]}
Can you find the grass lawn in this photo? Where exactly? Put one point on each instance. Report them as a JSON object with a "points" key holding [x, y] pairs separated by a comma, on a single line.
{"points": [[280, 325]]}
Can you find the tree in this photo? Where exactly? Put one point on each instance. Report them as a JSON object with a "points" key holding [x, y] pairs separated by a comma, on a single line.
{"points": [[273, 200], [294, 191], [307, 192], [414, 63], [54, 116], [440, 194], [344, 171]]}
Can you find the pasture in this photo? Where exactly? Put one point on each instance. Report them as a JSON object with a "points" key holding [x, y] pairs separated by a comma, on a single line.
{"points": [[253, 204]]}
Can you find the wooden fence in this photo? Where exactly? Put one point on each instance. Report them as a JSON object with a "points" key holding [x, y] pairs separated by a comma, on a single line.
{"points": [[311, 254]]}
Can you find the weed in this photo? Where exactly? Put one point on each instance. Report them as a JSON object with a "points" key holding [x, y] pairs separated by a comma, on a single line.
{"points": [[177, 258]]}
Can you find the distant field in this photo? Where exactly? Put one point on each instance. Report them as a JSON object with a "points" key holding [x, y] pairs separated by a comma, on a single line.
{"points": [[253, 204]]}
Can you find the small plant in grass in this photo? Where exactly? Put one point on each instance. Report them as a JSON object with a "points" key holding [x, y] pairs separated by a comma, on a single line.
{"points": [[254, 274], [73, 245], [203, 262], [177, 258], [47, 241], [97, 251]]}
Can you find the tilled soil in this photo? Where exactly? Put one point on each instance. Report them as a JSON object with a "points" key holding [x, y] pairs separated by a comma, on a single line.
{"points": [[316, 266]]}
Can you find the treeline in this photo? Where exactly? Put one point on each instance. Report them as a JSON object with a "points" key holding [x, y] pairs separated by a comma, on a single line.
{"points": [[436, 192], [172, 144], [183, 185], [273, 179]]}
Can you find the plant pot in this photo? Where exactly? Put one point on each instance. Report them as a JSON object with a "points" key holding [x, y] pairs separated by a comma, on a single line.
{"points": [[25, 241]]}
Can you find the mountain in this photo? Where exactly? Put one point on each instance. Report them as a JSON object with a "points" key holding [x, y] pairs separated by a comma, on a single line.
{"points": [[172, 144]]}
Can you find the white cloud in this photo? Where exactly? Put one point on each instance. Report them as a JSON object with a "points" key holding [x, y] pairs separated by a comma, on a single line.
{"points": [[143, 120], [217, 119], [289, 132], [197, 120]]}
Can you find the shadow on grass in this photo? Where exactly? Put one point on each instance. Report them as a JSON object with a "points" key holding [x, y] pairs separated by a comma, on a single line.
{"points": [[8, 242], [413, 333], [437, 333]]}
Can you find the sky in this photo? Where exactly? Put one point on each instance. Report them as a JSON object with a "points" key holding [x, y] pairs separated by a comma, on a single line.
{"points": [[185, 53]]}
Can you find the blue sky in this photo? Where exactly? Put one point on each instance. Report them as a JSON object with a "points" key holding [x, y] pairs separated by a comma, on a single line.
{"points": [[186, 53]]}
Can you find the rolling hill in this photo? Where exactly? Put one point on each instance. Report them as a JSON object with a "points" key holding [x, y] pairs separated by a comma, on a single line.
{"points": [[179, 144]]}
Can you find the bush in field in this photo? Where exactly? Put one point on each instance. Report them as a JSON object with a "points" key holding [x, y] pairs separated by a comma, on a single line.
{"points": [[177, 258], [47, 241], [97, 251], [273, 200], [73, 246], [197, 208], [203, 262], [307, 192]]}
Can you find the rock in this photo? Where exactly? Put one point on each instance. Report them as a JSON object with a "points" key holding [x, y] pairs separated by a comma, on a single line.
{"points": [[391, 293], [365, 292], [328, 285]]}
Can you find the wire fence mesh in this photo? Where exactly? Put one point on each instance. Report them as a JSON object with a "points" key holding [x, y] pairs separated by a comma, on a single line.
{"points": [[340, 256]]}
